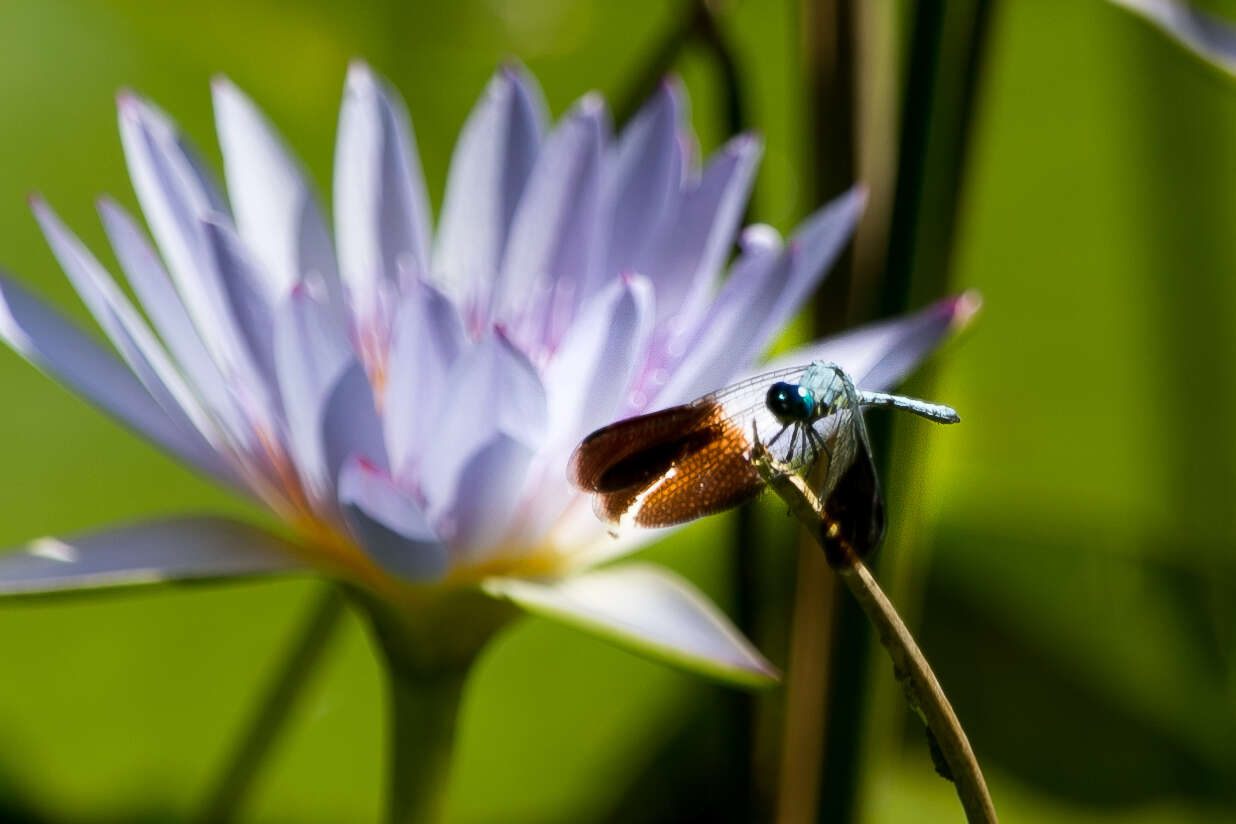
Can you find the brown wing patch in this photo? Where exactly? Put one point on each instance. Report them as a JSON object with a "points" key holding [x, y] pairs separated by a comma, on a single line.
{"points": [[710, 480], [666, 467], [636, 450]]}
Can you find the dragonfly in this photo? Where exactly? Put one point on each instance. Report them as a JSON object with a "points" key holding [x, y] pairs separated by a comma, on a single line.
{"points": [[685, 462]]}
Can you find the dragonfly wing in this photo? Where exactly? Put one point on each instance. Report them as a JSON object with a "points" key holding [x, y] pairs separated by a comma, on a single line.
{"points": [[714, 475], [849, 486], [690, 461], [634, 451]]}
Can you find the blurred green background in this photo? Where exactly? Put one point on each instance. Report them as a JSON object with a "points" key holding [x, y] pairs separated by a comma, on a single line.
{"points": [[1073, 574]]}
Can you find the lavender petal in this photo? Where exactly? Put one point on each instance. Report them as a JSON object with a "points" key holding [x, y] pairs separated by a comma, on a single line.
{"points": [[125, 327], [643, 178], [690, 249], [492, 161], [389, 525], [879, 355], [1206, 35], [492, 389], [760, 296], [277, 214], [350, 423], [590, 375], [49, 341], [248, 298], [551, 256], [311, 354], [155, 552], [382, 216], [174, 201], [487, 495], [164, 308], [649, 611], [428, 337]]}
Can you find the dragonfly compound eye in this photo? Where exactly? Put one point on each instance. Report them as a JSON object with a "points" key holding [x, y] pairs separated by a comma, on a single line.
{"points": [[789, 403]]}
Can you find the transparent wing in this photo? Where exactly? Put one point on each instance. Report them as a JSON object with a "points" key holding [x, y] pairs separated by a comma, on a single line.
{"points": [[837, 437], [745, 405], [847, 481], [835, 454]]}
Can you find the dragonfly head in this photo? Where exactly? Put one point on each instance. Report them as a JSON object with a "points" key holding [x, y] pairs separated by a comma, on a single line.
{"points": [[790, 402]]}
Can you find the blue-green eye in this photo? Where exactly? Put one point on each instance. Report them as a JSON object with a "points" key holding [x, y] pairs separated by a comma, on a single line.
{"points": [[790, 402]]}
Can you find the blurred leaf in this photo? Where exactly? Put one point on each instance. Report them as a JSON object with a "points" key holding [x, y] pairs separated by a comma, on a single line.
{"points": [[1078, 610]]}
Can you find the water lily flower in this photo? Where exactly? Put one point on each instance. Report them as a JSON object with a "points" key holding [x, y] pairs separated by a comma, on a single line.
{"points": [[405, 398]]}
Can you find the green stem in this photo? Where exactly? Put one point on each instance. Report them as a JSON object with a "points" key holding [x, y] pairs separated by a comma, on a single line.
{"points": [[947, 52], [697, 24], [942, 74], [810, 729], [271, 717], [423, 712], [427, 643]]}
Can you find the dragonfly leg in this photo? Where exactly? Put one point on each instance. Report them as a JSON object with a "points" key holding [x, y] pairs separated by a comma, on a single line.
{"points": [[809, 444], [778, 435], [820, 444]]}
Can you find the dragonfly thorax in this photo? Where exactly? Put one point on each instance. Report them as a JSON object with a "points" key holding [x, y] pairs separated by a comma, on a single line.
{"points": [[791, 403]]}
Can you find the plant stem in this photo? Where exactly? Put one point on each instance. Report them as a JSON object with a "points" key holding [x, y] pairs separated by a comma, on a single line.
{"points": [[944, 69], [270, 719], [428, 642], [925, 695], [942, 73], [815, 784], [697, 24], [423, 712]]}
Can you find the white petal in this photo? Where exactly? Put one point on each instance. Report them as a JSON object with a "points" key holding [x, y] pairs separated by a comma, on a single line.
{"points": [[155, 552], [248, 296], [381, 210], [125, 327], [311, 354], [643, 178], [491, 163], [350, 424], [592, 370], [492, 389], [487, 495], [52, 343], [166, 311], [277, 213], [428, 337], [760, 296], [649, 611], [691, 248], [174, 202], [879, 355], [390, 525], [552, 256]]}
